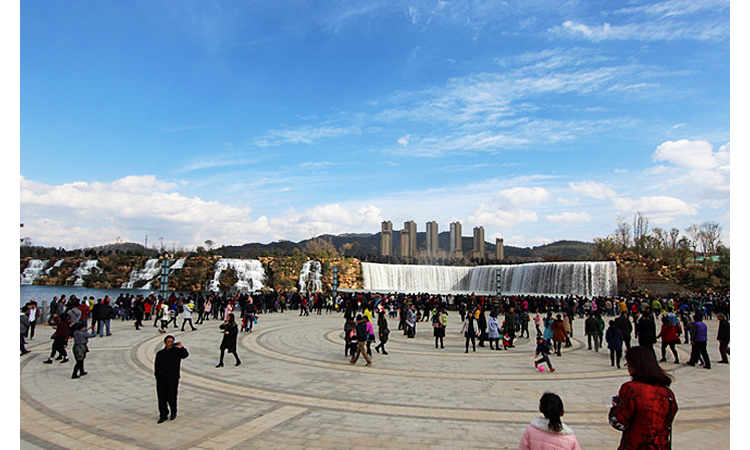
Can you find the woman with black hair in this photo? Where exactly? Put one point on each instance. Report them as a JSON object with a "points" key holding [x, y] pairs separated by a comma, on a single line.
{"points": [[645, 407], [469, 332], [549, 431], [229, 341]]}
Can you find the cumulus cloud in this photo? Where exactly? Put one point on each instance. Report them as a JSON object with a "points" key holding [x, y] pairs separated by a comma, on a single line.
{"points": [[86, 214], [662, 209], [489, 215], [519, 197], [692, 154], [569, 217], [694, 168], [598, 191]]}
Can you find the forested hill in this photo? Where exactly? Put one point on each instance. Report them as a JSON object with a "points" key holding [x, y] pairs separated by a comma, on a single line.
{"points": [[367, 247]]}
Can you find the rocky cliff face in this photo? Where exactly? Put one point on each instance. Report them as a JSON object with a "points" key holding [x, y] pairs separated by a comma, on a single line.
{"points": [[282, 273]]}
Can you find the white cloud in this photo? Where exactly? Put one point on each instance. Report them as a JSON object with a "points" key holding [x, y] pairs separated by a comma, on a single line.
{"points": [[692, 154], [404, 141], [662, 209], [593, 189], [569, 217], [491, 216], [304, 135], [519, 197]]}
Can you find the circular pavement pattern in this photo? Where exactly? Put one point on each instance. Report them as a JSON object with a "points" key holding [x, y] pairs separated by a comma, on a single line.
{"points": [[295, 389]]}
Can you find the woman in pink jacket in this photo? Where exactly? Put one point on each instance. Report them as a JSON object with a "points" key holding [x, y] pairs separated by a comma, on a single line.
{"points": [[549, 432]]}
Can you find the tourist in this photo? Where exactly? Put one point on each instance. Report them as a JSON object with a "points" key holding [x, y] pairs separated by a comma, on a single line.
{"points": [[523, 319], [105, 315], [493, 331], [510, 325], [187, 317], [670, 336], [438, 330], [383, 332], [568, 325], [644, 407], [33, 314], [138, 312], [370, 334], [229, 340], [548, 331], [362, 335], [723, 338], [600, 323], [699, 340], [411, 322], [591, 327], [626, 328], [80, 348], [24, 328], [614, 343], [469, 332], [538, 322], [646, 330], [167, 373], [558, 334], [60, 338], [481, 325], [542, 350], [163, 316], [549, 432]]}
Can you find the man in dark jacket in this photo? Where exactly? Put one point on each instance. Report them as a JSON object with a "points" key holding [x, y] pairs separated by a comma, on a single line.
{"points": [[510, 325], [167, 373], [646, 330], [591, 327], [626, 328], [723, 338], [362, 337]]}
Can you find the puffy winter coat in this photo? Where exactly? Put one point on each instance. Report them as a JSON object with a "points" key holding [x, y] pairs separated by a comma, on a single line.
{"points": [[538, 436]]}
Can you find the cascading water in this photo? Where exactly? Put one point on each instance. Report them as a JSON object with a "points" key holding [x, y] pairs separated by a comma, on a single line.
{"points": [[34, 270], [179, 264], [250, 274], [57, 264], [310, 277], [562, 278], [409, 278], [148, 273], [86, 268]]}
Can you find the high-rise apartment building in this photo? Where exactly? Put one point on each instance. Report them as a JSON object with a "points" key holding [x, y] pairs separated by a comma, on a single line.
{"points": [[432, 238], [499, 249], [386, 239], [411, 229], [479, 242], [455, 244]]}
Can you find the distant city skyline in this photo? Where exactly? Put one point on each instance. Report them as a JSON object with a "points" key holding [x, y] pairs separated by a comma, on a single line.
{"points": [[252, 122]]}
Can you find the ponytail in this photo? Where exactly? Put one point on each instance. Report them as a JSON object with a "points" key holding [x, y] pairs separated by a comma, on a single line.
{"points": [[551, 406]]}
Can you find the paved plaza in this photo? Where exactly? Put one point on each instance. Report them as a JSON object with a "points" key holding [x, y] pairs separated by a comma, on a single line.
{"points": [[295, 389]]}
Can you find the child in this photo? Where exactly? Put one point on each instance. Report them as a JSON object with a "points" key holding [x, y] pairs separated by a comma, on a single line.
{"points": [[542, 348], [549, 431]]}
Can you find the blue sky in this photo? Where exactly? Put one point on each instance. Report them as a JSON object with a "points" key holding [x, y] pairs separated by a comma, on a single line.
{"points": [[242, 122]]}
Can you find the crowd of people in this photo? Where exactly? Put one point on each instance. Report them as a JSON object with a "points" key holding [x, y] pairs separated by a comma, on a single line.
{"points": [[484, 320]]}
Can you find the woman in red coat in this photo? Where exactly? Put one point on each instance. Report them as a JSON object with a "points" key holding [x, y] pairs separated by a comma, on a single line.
{"points": [[645, 407], [559, 335], [670, 336]]}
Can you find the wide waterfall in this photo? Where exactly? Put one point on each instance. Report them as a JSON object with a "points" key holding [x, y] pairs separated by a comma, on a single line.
{"points": [[250, 274], [148, 273], [310, 277], [86, 268], [559, 278], [33, 271], [409, 278]]}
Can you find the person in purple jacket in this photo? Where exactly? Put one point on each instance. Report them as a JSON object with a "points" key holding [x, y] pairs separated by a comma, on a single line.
{"points": [[699, 340]]}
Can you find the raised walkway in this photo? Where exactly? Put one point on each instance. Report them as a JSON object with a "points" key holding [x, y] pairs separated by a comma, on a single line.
{"points": [[295, 389]]}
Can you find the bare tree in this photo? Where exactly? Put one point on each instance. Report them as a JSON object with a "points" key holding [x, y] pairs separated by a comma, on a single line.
{"points": [[693, 236], [622, 234], [674, 238], [640, 231], [209, 244], [709, 236]]}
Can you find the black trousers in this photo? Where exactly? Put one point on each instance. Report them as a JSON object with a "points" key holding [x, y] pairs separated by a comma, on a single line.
{"points": [[699, 351], [166, 394]]}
